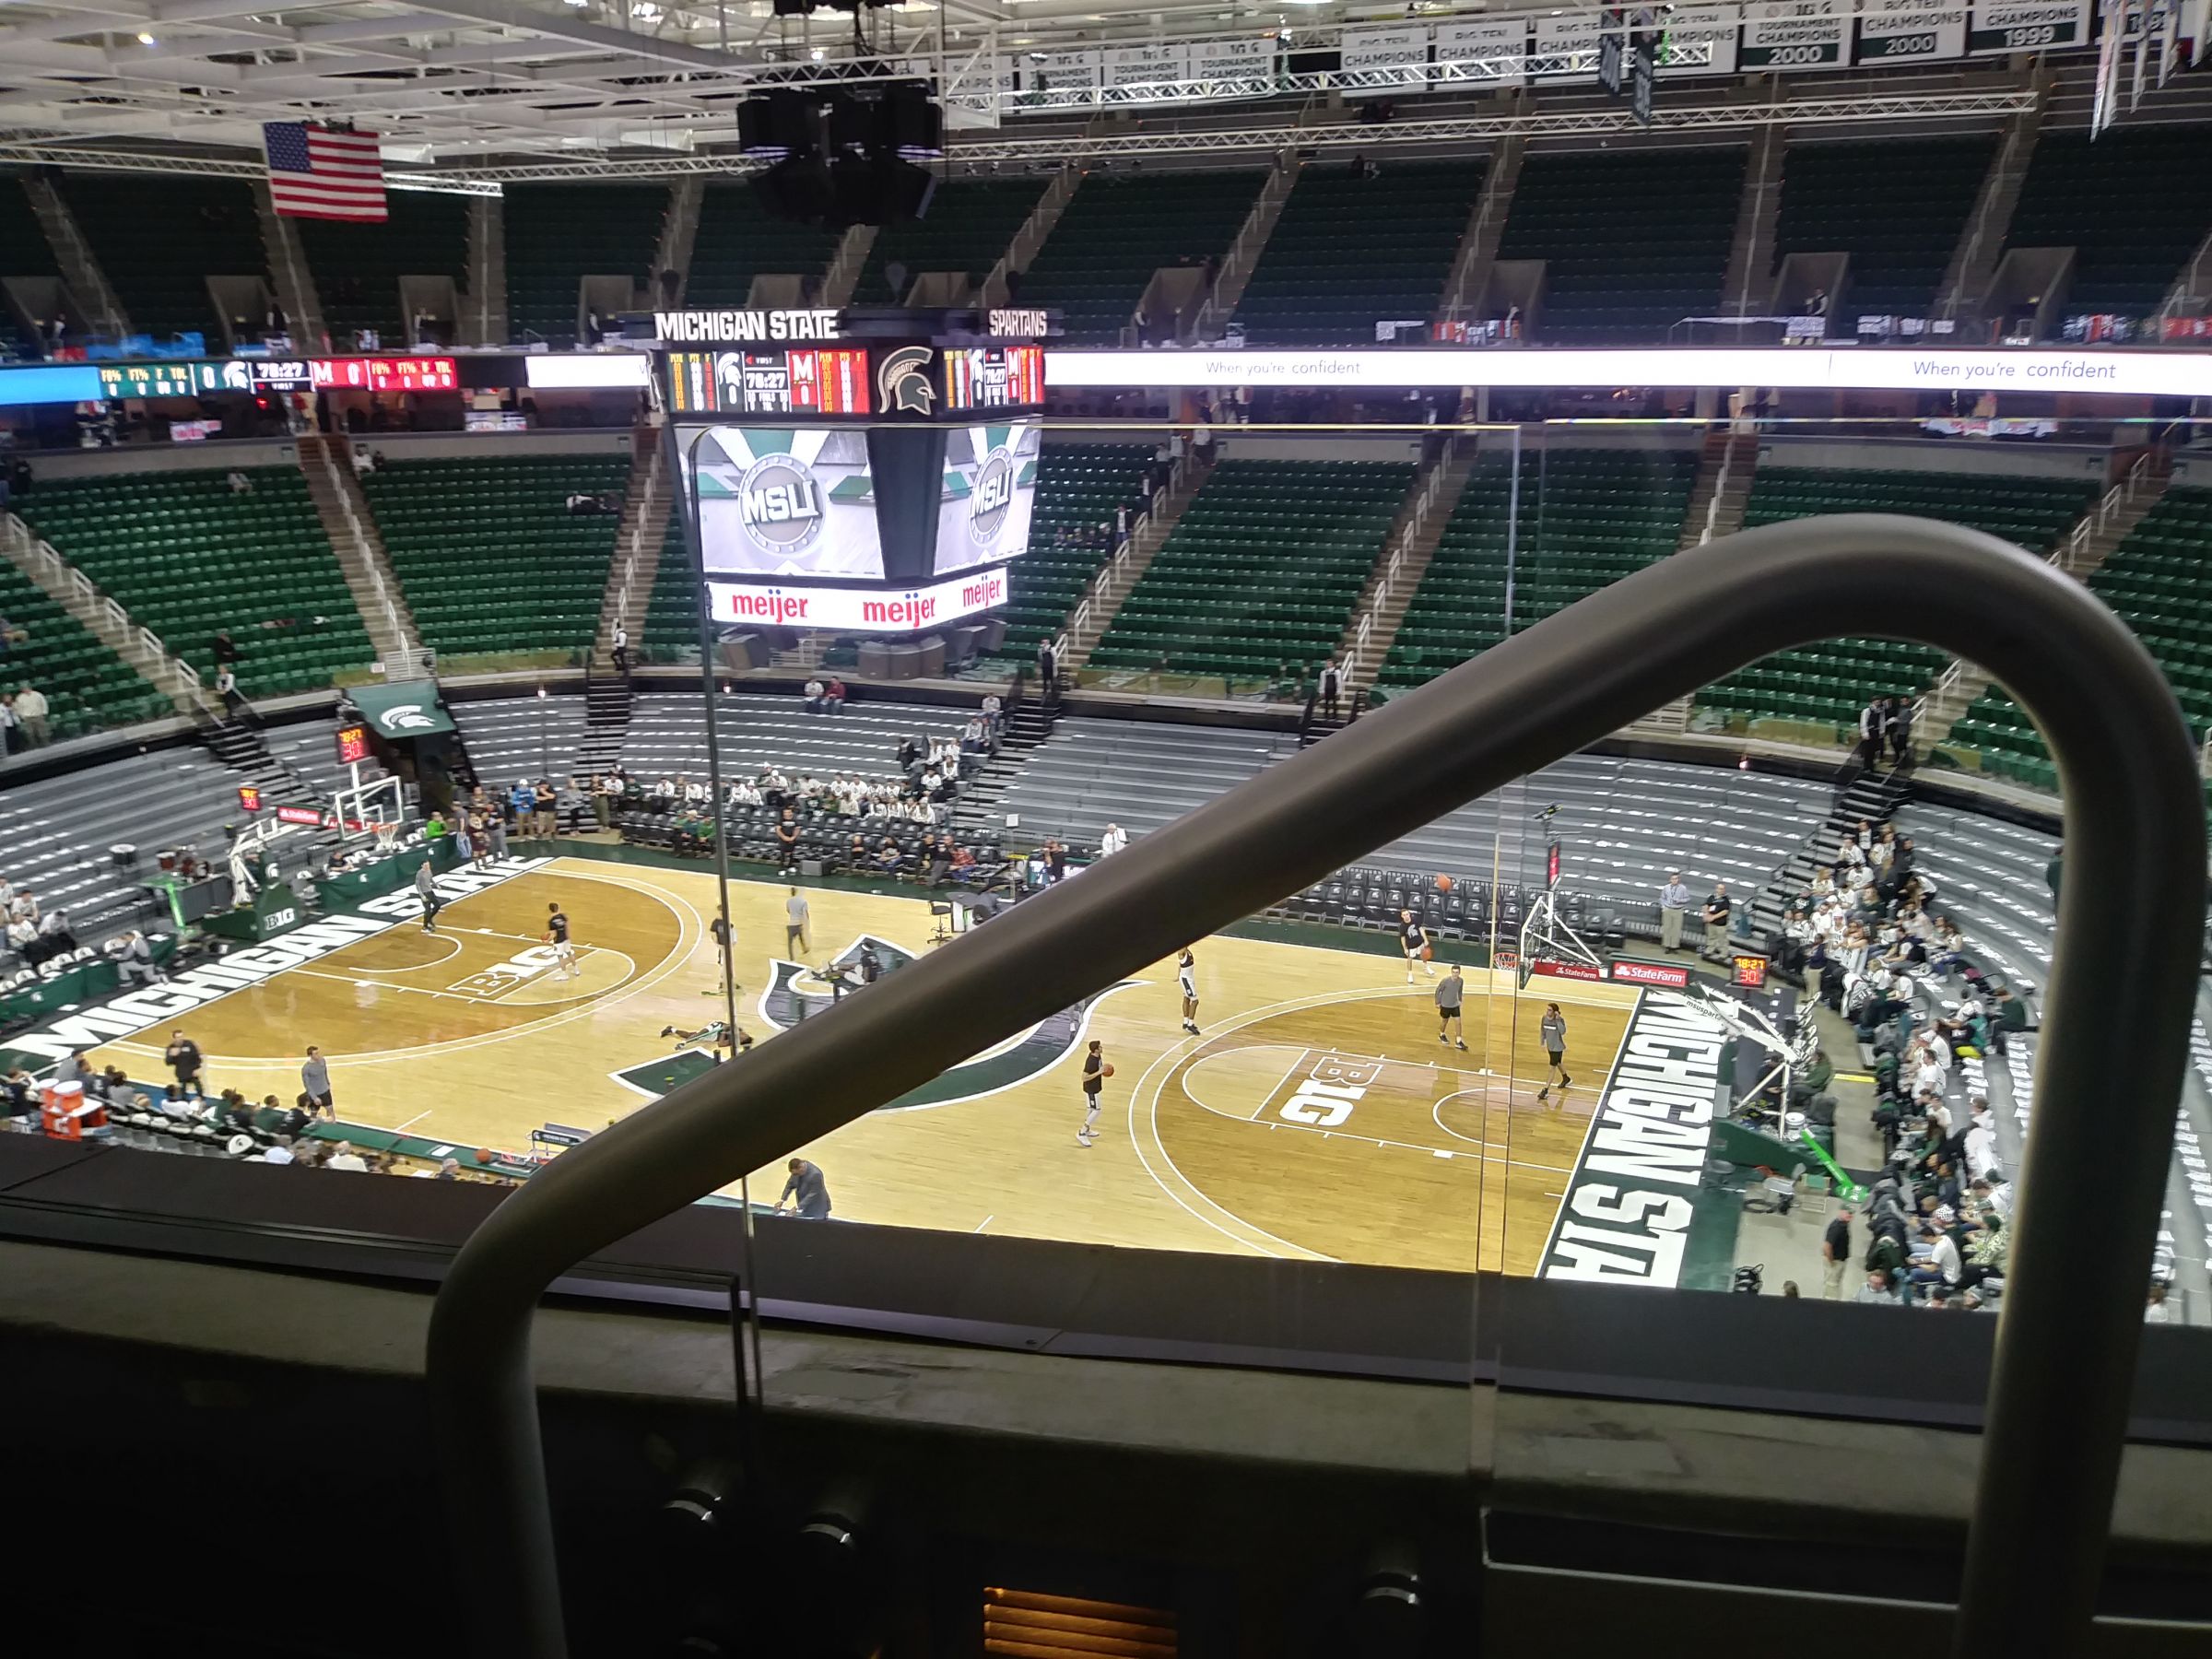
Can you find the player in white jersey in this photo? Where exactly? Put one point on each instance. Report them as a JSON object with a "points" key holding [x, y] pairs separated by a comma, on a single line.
{"points": [[1186, 977]]}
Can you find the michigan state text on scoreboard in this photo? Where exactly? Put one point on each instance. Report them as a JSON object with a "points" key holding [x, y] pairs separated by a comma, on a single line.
{"points": [[867, 471]]}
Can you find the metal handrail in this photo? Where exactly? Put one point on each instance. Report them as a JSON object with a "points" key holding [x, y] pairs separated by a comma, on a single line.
{"points": [[2113, 1050]]}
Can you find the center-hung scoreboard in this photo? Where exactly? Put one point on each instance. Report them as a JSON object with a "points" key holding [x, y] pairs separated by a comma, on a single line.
{"points": [[863, 470]]}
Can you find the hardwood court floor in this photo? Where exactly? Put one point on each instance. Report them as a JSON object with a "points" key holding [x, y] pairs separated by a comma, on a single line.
{"points": [[1316, 1115]]}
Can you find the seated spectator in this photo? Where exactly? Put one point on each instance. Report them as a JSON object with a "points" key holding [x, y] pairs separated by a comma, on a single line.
{"points": [[239, 484], [345, 1157], [833, 695], [133, 959], [1937, 1260], [813, 693]]}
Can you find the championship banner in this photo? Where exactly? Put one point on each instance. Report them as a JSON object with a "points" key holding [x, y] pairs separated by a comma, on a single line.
{"points": [[1701, 40], [1565, 47], [1401, 47], [1910, 31], [1997, 27], [1492, 53], [1797, 34]]}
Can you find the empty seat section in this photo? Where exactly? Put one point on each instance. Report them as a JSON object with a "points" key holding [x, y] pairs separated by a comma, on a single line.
{"points": [[487, 553], [357, 267], [1348, 253], [1118, 231], [559, 234], [1896, 207], [1632, 241], [1078, 486], [1588, 517], [670, 632], [158, 238], [86, 685], [969, 223], [738, 239], [2159, 581], [2133, 203], [1832, 682], [1258, 578], [188, 556]]}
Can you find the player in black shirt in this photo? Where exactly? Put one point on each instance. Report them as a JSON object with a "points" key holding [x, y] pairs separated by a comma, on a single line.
{"points": [[1413, 939], [557, 936]]}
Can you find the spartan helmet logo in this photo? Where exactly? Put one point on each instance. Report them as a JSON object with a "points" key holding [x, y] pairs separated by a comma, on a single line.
{"points": [[902, 382], [405, 717]]}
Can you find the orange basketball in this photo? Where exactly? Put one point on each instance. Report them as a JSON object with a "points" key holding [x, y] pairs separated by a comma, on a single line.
{"points": [[485, 1155], [1443, 884], [1106, 1070]]}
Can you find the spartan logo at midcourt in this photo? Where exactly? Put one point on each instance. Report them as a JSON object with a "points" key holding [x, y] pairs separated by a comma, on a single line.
{"points": [[1626, 1214], [796, 993], [779, 504]]}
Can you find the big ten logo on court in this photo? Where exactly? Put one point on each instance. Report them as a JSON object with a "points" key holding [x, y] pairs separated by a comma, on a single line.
{"points": [[1328, 1091], [503, 977], [279, 918]]}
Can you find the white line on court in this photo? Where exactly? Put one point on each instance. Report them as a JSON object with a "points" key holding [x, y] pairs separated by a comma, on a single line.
{"points": [[986, 1222]]}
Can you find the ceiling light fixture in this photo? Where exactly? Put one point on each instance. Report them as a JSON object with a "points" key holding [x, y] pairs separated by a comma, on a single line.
{"points": [[145, 38]]}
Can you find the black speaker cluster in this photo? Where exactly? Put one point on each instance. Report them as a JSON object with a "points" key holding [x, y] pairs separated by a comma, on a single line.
{"points": [[843, 155]]}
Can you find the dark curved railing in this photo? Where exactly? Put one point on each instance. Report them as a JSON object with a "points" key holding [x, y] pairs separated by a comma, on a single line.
{"points": [[2111, 1063]]}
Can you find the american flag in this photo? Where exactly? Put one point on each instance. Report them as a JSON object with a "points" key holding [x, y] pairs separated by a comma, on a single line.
{"points": [[316, 173]]}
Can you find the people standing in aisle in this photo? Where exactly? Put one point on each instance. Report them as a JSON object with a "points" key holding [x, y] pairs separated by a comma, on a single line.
{"points": [[1450, 992], [1552, 1030], [1332, 688], [1674, 905], [621, 650], [1186, 980], [1897, 727], [1048, 669]]}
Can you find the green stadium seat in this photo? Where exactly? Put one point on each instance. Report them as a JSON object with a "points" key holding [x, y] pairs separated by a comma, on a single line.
{"points": [[1348, 253], [559, 234], [1633, 240], [1587, 518], [1258, 580], [188, 558], [1832, 682], [1118, 229], [488, 555], [2133, 202], [159, 237], [1896, 206], [357, 267]]}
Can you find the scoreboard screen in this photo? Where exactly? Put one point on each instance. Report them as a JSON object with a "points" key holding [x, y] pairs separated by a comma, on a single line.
{"points": [[832, 380], [993, 377], [153, 379], [353, 744], [385, 374]]}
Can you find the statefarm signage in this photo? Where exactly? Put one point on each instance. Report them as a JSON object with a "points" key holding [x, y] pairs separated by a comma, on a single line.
{"points": [[197, 987], [1627, 1213], [867, 609]]}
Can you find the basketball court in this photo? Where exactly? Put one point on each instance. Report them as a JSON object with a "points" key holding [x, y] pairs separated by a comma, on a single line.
{"points": [[1315, 1115]]}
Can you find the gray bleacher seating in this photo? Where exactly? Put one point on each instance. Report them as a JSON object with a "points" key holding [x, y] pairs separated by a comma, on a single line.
{"points": [[667, 733], [54, 834], [515, 737], [1625, 824]]}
